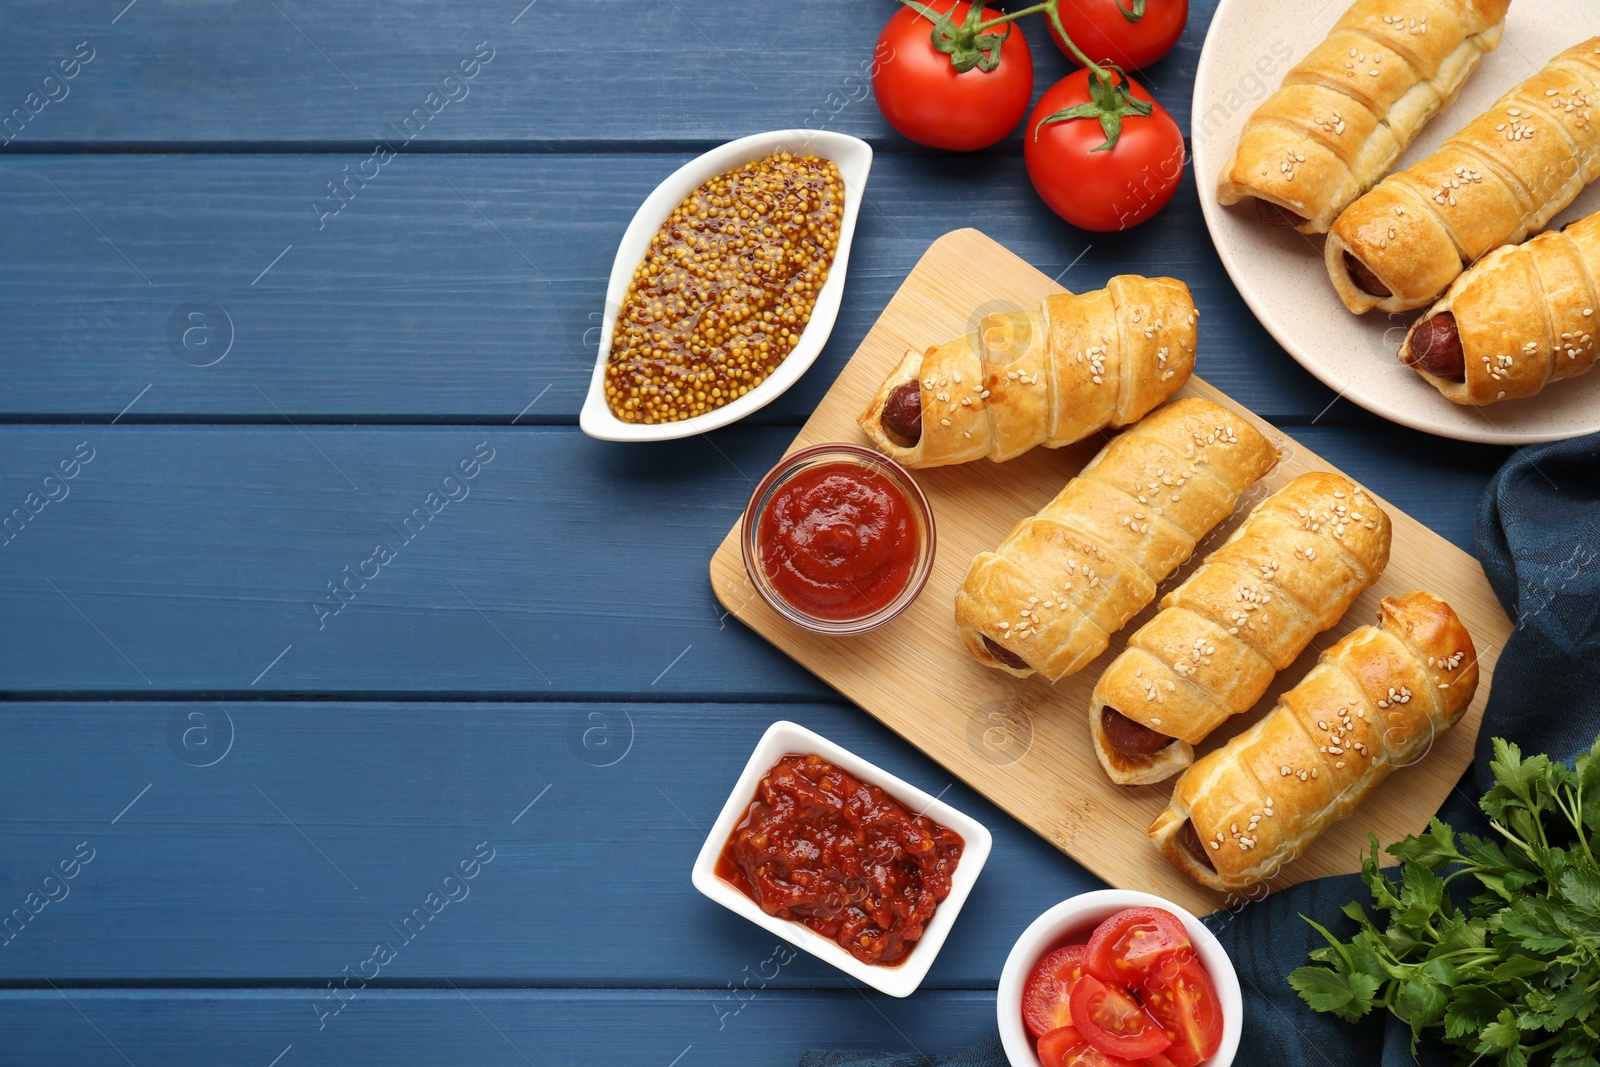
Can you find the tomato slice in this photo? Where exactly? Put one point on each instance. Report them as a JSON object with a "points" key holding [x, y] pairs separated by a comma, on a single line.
{"points": [[1047, 994], [1054, 1046], [1127, 946], [1158, 1060], [1184, 1002], [1064, 1047], [1112, 1020]]}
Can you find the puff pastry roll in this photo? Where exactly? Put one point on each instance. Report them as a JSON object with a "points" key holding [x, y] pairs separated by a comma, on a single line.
{"points": [[1520, 318], [1048, 377], [1505, 175], [1288, 573], [1372, 704], [1064, 580], [1347, 111]]}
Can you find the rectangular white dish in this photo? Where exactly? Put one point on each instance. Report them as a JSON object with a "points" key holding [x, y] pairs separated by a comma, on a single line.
{"points": [[902, 979]]}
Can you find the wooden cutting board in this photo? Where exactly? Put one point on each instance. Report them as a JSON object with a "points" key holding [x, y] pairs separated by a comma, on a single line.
{"points": [[1024, 744]]}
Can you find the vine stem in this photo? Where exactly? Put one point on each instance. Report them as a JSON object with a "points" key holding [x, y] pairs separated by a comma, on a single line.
{"points": [[1051, 9], [1108, 100]]}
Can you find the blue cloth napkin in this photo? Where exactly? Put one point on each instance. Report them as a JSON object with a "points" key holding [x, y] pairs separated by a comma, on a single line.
{"points": [[1539, 541]]}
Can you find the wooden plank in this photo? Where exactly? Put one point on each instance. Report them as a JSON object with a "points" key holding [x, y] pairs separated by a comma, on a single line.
{"points": [[915, 675], [204, 877], [463, 288], [491, 1027], [187, 559], [563, 72], [246, 560]]}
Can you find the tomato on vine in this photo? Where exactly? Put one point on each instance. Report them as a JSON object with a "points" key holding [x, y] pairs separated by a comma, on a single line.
{"points": [[949, 79], [1127, 33], [1102, 153]]}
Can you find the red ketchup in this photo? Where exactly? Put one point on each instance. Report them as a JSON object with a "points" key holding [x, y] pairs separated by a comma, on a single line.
{"points": [[821, 847], [838, 541]]}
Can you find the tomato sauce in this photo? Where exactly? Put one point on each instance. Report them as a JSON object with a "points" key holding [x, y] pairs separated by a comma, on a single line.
{"points": [[838, 541], [823, 848]]}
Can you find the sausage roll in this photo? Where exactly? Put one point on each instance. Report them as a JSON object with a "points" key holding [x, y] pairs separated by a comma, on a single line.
{"points": [[1520, 318], [1374, 703], [1347, 111], [1064, 580], [1288, 573], [1048, 377], [1505, 175]]}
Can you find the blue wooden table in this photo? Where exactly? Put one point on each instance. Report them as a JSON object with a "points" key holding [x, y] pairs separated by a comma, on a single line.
{"points": [[264, 801]]}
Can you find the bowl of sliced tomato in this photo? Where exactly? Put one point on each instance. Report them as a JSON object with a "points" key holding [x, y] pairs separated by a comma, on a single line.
{"points": [[1116, 978]]}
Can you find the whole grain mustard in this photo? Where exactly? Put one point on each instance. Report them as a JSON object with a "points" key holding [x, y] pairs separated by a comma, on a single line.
{"points": [[725, 289]]}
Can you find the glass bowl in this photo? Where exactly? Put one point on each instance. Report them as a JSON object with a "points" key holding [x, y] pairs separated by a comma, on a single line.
{"points": [[824, 455]]}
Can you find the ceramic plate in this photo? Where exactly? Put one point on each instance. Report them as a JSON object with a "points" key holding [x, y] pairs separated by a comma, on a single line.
{"points": [[1280, 273], [900, 979]]}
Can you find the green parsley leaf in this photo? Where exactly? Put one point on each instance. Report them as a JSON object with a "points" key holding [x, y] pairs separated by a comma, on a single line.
{"points": [[1514, 979], [1581, 888], [1432, 850], [1347, 995]]}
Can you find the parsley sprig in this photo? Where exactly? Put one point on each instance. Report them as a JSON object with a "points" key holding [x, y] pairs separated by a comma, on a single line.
{"points": [[1514, 979]]}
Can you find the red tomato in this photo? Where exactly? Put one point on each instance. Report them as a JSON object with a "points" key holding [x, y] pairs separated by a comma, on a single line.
{"points": [[1104, 34], [925, 98], [1180, 995], [1047, 993], [1054, 1046], [1112, 1020], [1126, 946], [1064, 1048], [1102, 190]]}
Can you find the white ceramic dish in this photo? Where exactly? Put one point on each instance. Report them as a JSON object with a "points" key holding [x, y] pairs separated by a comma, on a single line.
{"points": [[902, 979], [1280, 273], [1083, 912], [853, 157]]}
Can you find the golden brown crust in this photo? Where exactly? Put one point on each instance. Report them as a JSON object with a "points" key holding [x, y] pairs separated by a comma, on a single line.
{"points": [[1047, 377], [1526, 316], [1347, 111], [1375, 702], [1504, 176], [1290, 571], [1064, 580]]}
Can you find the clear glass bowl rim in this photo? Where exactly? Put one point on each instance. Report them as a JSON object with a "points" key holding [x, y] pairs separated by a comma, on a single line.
{"points": [[861, 456]]}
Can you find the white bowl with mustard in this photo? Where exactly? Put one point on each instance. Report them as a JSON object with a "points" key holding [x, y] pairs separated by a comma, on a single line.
{"points": [[726, 285]]}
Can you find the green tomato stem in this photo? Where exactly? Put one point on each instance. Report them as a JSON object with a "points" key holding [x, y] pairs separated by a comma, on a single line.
{"points": [[997, 20], [1051, 10], [966, 45], [970, 45]]}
